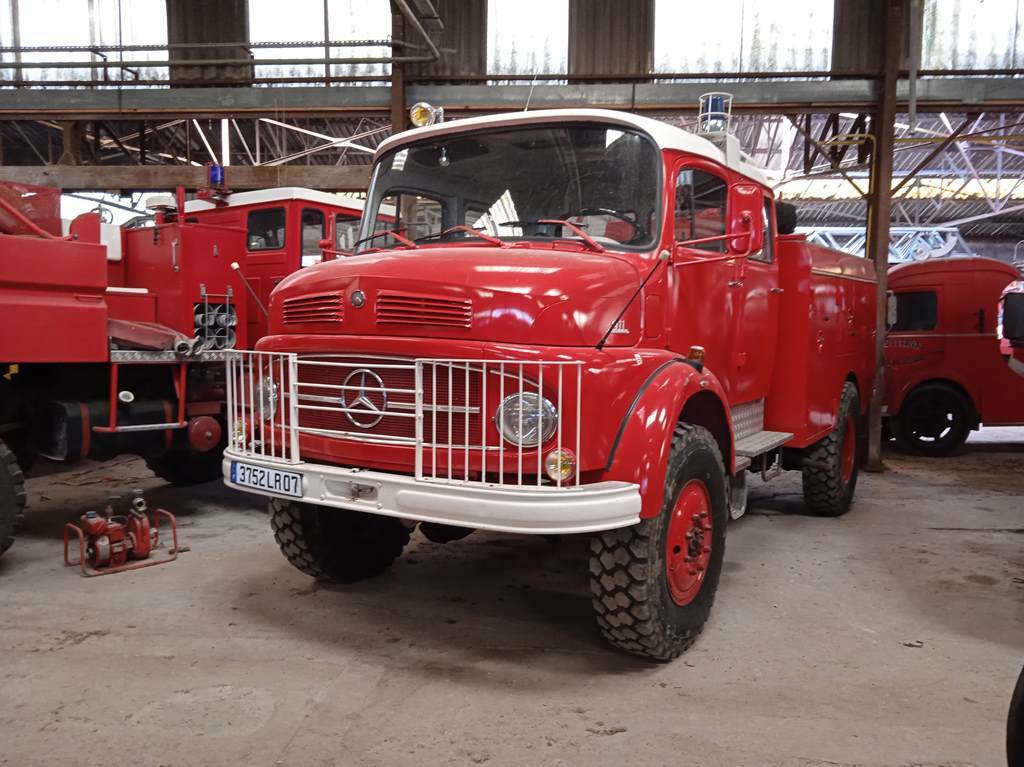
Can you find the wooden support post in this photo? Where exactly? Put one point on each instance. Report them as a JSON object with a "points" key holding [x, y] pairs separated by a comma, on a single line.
{"points": [[880, 214]]}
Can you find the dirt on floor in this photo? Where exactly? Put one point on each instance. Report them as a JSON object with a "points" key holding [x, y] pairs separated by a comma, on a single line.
{"points": [[891, 636]]}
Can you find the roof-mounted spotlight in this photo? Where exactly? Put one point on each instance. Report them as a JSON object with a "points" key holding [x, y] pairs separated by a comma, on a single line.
{"points": [[422, 114]]}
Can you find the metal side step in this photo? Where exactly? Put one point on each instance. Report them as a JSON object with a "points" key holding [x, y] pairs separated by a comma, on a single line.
{"points": [[761, 442]]}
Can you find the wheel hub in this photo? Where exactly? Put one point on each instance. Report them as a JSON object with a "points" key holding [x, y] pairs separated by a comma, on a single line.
{"points": [[688, 542]]}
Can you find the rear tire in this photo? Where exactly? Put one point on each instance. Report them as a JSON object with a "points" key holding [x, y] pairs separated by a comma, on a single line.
{"points": [[336, 545], [186, 467], [1015, 726], [934, 420], [653, 583], [831, 465], [12, 496]]}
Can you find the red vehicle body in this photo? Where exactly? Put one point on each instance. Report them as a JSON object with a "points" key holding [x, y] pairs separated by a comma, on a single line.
{"points": [[639, 359], [114, 338], [285, 230], [945, 372]]}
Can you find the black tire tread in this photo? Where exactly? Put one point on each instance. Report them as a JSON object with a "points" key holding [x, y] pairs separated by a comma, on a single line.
{"points": [[13, 497], [334, 555], [824, 494], [624, 595]]}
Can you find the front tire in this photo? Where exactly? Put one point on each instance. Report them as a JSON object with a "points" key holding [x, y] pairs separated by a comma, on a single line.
{"points": [[653, 583], [831, 466], [12, 496], [934, 420], [336, 545]]}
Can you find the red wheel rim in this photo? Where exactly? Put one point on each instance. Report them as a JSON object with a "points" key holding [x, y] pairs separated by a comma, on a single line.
{"points": [[688, 543], [849, 456]]}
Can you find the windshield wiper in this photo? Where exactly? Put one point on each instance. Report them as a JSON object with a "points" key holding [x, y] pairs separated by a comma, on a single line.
{"points": [[488, 238], [590, 242], [401, 238]]}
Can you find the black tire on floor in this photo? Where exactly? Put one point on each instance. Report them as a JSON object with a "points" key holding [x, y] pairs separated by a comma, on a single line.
{"points": [[12, 496], [629, 577], [829, 471], [1015, 726], [335, 544], [186, 467], [935, 419]]}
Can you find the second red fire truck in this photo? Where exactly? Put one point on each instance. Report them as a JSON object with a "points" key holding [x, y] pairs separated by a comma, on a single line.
{"points": [[114, 337], [568, 321]]}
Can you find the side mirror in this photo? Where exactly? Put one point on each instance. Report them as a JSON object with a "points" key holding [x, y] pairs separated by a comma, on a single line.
{"points": [[1013, 317]]}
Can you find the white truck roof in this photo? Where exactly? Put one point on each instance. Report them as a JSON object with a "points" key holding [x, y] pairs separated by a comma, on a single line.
{"points": [[665, 136], [280, 194]]}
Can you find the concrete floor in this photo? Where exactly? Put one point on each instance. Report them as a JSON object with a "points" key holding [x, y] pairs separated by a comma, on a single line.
{"points": [[891, 636]]}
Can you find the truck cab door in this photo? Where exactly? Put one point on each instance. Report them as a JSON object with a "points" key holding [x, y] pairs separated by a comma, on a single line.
{"points": [[756, 282]]}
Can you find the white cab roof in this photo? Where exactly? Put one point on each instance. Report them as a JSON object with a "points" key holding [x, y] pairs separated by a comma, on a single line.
{"points": [[281, 194], [664, 135]]}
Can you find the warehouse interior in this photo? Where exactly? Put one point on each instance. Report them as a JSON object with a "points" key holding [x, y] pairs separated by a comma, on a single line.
{"points": [[876, 622]]}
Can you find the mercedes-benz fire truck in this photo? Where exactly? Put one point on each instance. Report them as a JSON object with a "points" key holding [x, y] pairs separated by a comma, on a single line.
{"points": [[569, 321]]}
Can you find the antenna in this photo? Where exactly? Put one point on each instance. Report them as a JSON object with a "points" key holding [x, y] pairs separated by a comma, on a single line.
{"points": [[529, 96]]}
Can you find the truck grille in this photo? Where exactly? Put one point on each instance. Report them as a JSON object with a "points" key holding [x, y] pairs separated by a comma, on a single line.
{"points": [[322, 307], [439, 408], [387, 414], [417, 309]]}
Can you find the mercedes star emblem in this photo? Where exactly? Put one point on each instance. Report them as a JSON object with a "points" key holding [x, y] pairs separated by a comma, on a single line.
{"points": [[358, 299], [367, 407]]}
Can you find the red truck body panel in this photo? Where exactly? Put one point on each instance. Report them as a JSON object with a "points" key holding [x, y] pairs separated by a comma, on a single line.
{"points": [[269, 263], [52, 300], [954, 340], [826, 331]]}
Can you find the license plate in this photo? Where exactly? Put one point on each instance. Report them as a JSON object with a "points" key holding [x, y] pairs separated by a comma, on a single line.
{"points": [[270, 480]]}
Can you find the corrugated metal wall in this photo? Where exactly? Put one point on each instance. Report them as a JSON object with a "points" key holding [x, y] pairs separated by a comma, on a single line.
{"points": [[609, 37], [196, 21], [465, 37], [857, 35]]}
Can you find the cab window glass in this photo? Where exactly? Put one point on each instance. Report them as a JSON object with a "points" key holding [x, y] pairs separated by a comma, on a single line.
{"points": [[916, 311], [415, 217], [700, 208], [346, 231], [313, 230], [265, 229]]}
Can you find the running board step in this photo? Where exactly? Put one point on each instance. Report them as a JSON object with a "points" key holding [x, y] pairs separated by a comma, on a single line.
{"points": [[761, 442]]}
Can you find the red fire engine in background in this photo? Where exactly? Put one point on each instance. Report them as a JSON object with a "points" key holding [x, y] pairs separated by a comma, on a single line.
{"points": [[945, 372], [114, 337], [568, 321]]}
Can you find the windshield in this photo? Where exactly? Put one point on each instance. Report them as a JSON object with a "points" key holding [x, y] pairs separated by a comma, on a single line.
{"points": [[603, 179]]}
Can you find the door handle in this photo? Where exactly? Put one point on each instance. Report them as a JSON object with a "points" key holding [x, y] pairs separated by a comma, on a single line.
{"points": [[174, 256], [777, 291], [735, 283]]}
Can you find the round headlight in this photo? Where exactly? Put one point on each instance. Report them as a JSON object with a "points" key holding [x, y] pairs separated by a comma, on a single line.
{"points": [[526, 418], [268, 396]]}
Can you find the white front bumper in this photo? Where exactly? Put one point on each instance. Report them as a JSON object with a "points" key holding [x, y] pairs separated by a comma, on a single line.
{"points": [[507, 508]]}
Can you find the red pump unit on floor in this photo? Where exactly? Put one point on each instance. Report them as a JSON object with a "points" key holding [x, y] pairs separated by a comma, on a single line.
{"points": [[110, 543]]}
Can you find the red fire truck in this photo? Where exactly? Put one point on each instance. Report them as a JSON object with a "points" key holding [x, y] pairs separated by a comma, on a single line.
{"points": [[114, 338], [945, 373], [571, 321]]}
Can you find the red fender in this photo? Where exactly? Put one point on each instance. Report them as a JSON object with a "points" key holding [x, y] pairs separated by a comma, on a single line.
{"points": [[640, 452]]}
